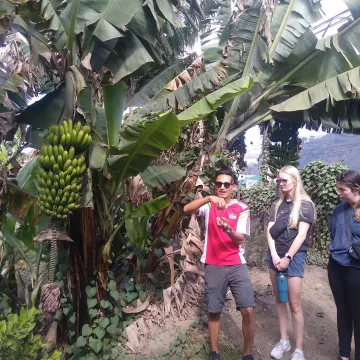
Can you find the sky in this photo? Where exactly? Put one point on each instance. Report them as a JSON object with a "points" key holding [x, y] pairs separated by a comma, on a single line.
{"points": [[253, 138]]}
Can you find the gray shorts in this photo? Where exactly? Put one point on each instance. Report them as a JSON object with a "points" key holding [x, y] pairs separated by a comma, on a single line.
{"points": [[217, 280], [296, 267]]}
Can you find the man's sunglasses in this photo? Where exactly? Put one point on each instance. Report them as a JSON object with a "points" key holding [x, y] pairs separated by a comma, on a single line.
{"points": [[219, 184], [281, 181]]}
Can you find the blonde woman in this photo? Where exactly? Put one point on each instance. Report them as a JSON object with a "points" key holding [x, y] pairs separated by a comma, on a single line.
{"points": [[288, 237]]}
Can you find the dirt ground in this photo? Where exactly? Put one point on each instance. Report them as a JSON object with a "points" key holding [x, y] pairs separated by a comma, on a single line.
{"points": [[320, 338]]}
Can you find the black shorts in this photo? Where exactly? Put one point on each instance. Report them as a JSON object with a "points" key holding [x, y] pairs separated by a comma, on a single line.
{"points": [[217, 280]]}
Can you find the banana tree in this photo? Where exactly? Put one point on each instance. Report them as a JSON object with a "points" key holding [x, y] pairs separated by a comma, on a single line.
{"points": [[273, 44], [84, 59]]}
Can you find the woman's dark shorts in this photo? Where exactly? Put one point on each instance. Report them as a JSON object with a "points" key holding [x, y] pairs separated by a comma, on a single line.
{"points": [[217, 280], [296, 266]]}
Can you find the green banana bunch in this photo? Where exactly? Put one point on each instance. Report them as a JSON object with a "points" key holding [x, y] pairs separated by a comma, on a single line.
{"points": [[60, 179]]}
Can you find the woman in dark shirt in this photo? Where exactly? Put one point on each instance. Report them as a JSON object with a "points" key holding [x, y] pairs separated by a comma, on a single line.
{"points": [[343, 270], [288, 238]]}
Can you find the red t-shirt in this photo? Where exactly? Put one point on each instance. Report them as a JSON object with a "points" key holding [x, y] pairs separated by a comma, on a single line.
{"points": [[219, 248]]}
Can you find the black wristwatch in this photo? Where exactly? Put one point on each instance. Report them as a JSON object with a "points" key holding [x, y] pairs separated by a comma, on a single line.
{"points": [[287, 255], [228, 230]]}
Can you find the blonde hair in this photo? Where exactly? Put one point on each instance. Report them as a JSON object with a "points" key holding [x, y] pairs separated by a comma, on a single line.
{"points": [[299, 196]]}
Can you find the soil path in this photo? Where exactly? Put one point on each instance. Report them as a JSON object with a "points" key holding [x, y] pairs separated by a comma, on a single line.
{"points": [[320, 338]]}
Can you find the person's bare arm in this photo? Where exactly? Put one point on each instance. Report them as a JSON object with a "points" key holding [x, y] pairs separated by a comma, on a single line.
{"points": [[271, 242], [195, 205]]}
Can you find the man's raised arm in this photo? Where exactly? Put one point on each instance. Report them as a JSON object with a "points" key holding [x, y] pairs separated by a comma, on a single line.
{"points": [[195, 205]]}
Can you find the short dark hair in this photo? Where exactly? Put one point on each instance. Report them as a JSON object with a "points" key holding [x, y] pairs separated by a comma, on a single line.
{"points": [[227, 172]]}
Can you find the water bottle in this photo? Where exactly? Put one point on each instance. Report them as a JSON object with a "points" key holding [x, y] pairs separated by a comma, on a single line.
{"points": [[282, 286]]}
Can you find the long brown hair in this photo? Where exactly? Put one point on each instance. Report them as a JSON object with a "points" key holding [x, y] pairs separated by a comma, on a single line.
{"points": [[351, 179]]}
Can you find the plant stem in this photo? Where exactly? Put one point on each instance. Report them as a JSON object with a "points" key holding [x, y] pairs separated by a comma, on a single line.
{"points": [[252, 48], [257, 120], [281, 29], [71, 36]]}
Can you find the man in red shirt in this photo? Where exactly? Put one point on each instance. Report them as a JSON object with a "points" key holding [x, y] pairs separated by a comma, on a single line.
{"points": [[227, 221]]}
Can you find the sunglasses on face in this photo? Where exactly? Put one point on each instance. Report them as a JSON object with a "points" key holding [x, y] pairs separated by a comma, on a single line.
{"points": [[281, 181], [219, 184]]}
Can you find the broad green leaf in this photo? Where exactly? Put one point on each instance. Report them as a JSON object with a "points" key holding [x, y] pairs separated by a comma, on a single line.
{"points": [[152, 206], [243, 34], [14, 243], [115, 295], [114, 320], [331, 56], [211, 102], [49, 10], [157, 176], [93, 312], [185, 95], [108, 15], [19, 202], [292, 25], [131, 224], [99, 332], [9, 223], [129, 55], [71, 31], [158, 252], [86, 330], [98, 153], [95, 344], [90, 291], [79, 79], [105, 304], [167, 9], [141, 143], [144, 25], [46, 111], [150, 90], [91, 303], [113, 330], [80, 342], [27, 175], [341, 87], [112, 285], [114, 101], [99, 148]]}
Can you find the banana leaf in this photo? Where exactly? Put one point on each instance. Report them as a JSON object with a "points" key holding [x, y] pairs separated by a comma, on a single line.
{"points": [[158, 176], [141, 143]]}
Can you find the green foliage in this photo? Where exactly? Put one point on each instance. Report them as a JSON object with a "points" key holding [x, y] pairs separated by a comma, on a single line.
{"points": [[185, 346], [283, 147], [99, 340], [256, 245], [319, 182], [4, 306], [217, 161], [142, 142], [177, 347], [17, 339], [260, 197]]}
